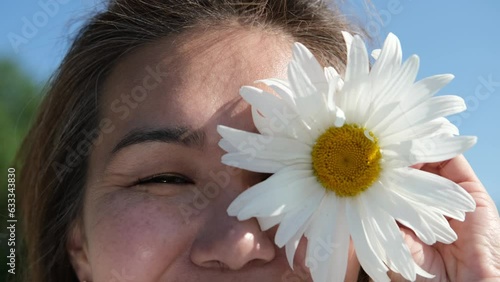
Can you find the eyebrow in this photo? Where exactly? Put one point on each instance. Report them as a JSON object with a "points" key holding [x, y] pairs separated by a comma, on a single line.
{"points": [[177, 135]]}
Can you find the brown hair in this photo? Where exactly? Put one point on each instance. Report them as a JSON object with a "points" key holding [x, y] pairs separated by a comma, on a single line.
{"points": [[53, 159]]}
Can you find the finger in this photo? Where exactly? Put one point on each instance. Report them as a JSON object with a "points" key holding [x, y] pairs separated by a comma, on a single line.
{"points": [[418, 166], [459, 171], [456, 169]]}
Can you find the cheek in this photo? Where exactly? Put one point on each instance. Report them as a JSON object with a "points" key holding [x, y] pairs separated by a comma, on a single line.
{"points": [[138, 236]]}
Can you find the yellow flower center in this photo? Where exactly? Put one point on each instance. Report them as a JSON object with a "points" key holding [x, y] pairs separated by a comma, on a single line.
{"points": [[346, 160]]}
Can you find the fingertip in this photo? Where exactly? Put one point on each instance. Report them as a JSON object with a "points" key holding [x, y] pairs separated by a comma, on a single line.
{"points": [[457, 169]]}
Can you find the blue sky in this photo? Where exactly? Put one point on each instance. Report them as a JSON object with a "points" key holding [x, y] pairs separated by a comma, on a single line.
{"points": [[458, 37]]}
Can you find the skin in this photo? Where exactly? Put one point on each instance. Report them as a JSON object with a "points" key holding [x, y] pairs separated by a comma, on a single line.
{"points": [[474, 256], [166, 232], [153, 231]]}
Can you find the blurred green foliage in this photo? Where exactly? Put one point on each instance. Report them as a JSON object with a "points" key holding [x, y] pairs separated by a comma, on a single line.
{"points": [[19, 98]]}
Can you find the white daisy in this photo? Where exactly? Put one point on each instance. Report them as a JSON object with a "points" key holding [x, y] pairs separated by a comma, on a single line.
{"points": [[339, 148]]}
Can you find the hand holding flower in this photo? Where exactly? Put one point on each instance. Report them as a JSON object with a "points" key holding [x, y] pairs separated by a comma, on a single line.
{"points": [[475, 255], [341, 166]]}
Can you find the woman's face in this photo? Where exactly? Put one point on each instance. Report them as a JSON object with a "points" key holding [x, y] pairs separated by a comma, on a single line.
{"points": [[157, 192]]}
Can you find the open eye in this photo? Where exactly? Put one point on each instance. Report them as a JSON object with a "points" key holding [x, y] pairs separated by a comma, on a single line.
{"points": [[165, 178]]}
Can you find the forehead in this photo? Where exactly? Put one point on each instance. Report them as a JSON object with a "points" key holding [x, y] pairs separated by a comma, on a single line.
{"points": [[198, 67], [190, 80]]}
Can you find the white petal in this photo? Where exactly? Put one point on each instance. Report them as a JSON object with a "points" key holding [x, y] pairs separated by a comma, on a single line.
{"points": [[339, 118], [361, 232], [389, 93], [314, 112], [280, 118], [262, 166], [280, 201], [397, 206], [428, 150], [330, 73], [402, 80], [271, 107], [265, 102], [358, 65], [312, 105], [259, 162], [332, 89], [376, 53], [335, 113], [267, 222], [373, 116], [438, 223], [425, 89], [429, 110], [298, 217], [282, 88], [435, 191], [283, 127], [270, 148], [348, 40], [274, 186], [422, 272], [388, 61], [433, 218], [436, 127], [293, 243], [227, 146], [446, 129], [331, 95], [305, 74], [328, 241], [263, 125], [387, 234], [340, 239], [253, 146], [356, 81]]}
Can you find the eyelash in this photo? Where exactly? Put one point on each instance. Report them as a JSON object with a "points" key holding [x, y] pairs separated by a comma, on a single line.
{"points": [[165, 178]]}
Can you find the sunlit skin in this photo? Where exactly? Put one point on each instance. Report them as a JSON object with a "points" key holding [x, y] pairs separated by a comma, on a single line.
{"points": [[133, 231]]}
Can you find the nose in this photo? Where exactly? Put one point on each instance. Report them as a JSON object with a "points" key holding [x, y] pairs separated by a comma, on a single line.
{"points": [[224, 242]]}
